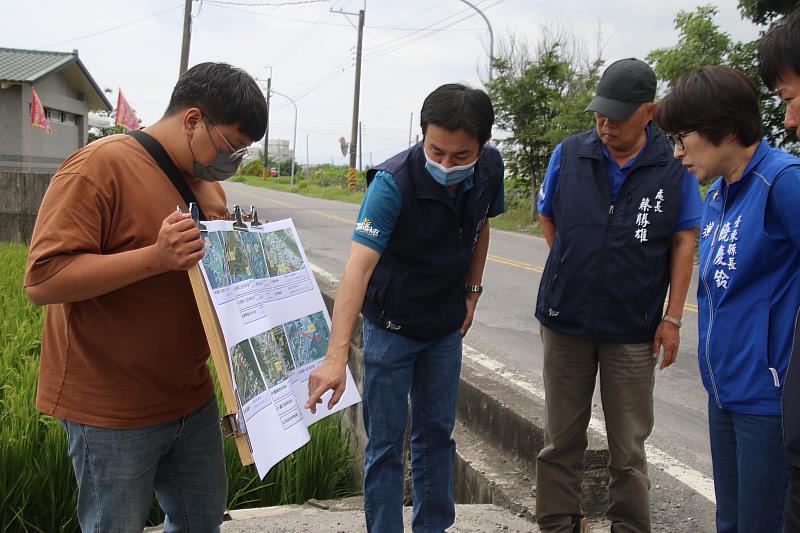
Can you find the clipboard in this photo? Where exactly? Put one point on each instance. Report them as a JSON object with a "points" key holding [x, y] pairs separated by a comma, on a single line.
{"points": [[267, 328], [230, 423]]}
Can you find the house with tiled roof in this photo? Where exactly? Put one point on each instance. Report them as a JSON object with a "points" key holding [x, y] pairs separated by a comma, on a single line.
{"points": [[67, 91]]}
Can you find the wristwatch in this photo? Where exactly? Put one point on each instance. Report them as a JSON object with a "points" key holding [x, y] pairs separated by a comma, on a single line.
{"points": [[474, 288], [672, 320]]}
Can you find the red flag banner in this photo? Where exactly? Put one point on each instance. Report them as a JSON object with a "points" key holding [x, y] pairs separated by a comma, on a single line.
{"points": [[126, 116], [38, 117]]}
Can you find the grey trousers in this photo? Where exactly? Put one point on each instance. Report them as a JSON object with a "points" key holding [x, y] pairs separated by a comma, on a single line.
{"points": [[626, 387]]}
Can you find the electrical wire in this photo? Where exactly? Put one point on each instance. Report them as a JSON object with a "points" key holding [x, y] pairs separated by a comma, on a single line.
{"points": [[409, 40], [339, 24], [429, 27], [278, 17], [290, 49], [267, 4], [331, 75], [111, 29]]}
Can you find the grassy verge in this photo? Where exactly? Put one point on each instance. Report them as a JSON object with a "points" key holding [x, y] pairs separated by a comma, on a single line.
{"points": [[37, 484], [303, 187], [514, 219]]}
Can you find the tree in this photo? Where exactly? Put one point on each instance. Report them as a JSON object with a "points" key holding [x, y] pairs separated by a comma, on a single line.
{"points": [[702, 43], [539, 99], [765, 11]]}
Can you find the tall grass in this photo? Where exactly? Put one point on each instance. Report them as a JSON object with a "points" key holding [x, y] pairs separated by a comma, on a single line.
{"points": [[36, 478], [37, 484]]}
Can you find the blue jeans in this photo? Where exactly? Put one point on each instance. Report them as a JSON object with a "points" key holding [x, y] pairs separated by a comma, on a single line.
{"points": [[751, 479], [118, 470], [395, 365]]}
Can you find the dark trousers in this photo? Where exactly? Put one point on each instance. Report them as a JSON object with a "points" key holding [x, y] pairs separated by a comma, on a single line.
{"points": [[793, 504]]}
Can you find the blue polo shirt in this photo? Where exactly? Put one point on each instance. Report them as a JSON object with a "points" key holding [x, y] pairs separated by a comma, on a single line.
{"points": [[691, 203], [382, 205]]}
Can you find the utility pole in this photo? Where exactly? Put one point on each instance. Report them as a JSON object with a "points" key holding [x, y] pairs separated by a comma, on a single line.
{"points": [[360, 146], [307, 165], [410, 125], [351, 173], [266, 133], [187, 36]]}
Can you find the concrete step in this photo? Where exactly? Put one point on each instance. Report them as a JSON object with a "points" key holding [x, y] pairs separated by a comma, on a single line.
{"points": [[511, 422], [499, 433], [487, 475], [347, 516]]}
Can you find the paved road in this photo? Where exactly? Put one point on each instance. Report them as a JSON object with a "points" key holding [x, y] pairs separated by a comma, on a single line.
{"points": [[505, 330]]}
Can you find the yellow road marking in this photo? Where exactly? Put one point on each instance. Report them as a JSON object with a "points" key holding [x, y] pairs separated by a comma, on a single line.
{"points": [[344, 220], [515, 263], [535, 268], [270, 200]]}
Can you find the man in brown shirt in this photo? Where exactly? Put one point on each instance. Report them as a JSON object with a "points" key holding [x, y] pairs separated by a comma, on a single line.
{"points": [[123, 362]]}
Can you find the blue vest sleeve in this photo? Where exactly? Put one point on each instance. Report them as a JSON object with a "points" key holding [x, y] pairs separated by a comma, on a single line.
{"points": [[549, 183], [782, 218], [691, 204], [499, 202], [378, 213]]}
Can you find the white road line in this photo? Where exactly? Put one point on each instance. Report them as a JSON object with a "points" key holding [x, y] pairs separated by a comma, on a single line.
{"points": [[703, 485], [324, 274], [684, 473]]}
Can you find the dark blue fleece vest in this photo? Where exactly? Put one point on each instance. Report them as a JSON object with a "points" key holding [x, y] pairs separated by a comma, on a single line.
{"points": [[608, 270], [417, 288]]}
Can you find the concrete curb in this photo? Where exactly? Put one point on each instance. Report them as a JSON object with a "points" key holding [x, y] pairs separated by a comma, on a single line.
{"points": [[512, 422], [493, 466]]}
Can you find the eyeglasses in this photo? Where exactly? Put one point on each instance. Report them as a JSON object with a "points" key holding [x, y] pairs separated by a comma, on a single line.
{"points": [[676, 140], [234, 154]]}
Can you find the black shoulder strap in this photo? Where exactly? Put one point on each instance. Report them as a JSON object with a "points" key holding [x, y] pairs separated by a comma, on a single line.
{"points": [[166, 164]]}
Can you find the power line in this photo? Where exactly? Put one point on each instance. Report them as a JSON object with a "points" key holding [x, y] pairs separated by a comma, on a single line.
{"points": [[429, 27], [111, 29], [412, 39], [431, 8], [427, 32], [339, 24], [329, 76], [289, 50], [278, 17], [267, 4]]}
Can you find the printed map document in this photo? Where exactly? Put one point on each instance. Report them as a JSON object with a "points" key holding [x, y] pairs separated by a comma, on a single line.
{"points": [[276, 329]]}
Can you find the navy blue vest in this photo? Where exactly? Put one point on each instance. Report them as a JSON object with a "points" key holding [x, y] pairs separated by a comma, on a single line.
{"points": [[608, 270], [417, 288]]}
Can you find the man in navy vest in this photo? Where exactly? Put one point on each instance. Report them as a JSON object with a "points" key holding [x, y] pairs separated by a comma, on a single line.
{"points": [[619, 214], [414, 271], [779, 65]]}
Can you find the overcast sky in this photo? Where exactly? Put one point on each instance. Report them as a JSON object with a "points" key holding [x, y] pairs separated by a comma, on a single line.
{"points": [[136, 45]]}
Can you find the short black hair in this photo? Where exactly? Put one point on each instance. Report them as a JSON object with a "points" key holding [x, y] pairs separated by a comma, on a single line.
{"points": [[779, 49], [714, 101], [454, 106], [226, 95]]}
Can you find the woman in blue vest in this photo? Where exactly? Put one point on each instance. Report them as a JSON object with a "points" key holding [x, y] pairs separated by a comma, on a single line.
{"points": [[749, 288]]}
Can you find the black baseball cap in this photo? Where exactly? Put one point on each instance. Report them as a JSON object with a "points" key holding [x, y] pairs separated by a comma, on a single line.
{"points": [[626, 84]]}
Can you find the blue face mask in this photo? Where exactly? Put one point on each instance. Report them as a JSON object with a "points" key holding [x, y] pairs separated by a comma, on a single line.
{"points": [[448, 176]]}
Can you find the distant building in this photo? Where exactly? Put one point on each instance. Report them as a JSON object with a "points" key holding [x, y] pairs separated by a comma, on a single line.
{"points": [[67, 91], [279, 150]]}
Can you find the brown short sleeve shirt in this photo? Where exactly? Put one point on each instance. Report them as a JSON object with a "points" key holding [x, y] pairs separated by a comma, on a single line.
{"points": [[136, 356]]}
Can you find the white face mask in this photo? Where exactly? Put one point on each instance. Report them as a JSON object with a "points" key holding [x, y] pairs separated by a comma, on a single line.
{"points": [[448, 176]]}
